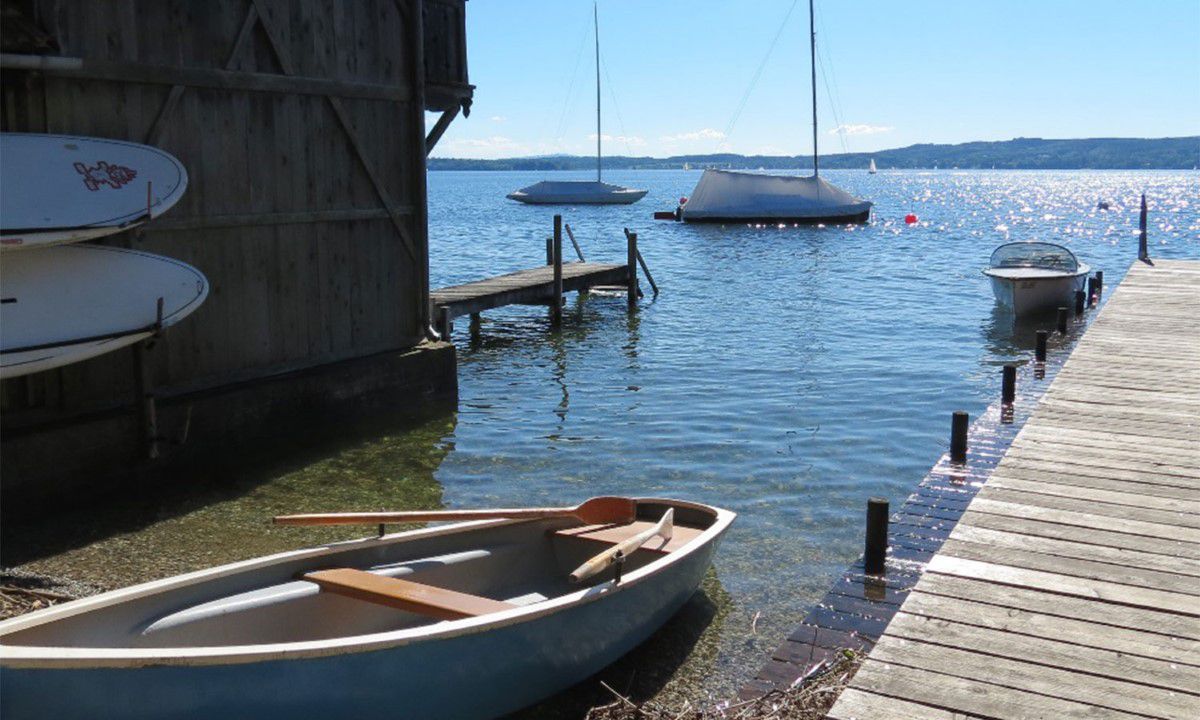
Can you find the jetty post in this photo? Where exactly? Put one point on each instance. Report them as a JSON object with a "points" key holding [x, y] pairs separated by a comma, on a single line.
{"points": [[1008, 385], [1039, 353], [958, 437], [631, 268], [875, 555], [557, 293], [1061, 323], [1080, 302], [1143, 249]]}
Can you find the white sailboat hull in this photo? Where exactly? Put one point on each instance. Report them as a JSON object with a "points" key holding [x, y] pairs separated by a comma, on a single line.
{"points": [[1026, 291], [576, 193]]}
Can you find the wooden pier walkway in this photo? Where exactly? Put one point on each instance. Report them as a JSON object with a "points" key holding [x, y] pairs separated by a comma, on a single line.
{"points": [[529, 287], [1070, 586]]}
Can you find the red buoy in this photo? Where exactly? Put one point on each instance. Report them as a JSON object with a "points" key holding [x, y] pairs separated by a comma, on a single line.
{"points": [[683, 201], [910, 219]]}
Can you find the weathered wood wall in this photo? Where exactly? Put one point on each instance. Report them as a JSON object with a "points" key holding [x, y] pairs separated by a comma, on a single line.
{"points": [[301, 123]]}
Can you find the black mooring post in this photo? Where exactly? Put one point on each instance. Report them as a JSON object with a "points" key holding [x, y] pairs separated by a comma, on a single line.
{"points": [[958, 437], [875, 556], [1039, 352], [1143, 250], [1091, 291], [631, 279], [1008, 386], [1099, 285], [549, 251], [445, 323], [1062, 320], [557, 291], [1080, 302]]}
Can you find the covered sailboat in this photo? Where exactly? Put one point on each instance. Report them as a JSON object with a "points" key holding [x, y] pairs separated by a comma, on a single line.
{"points": [[581, 192], [727, 196]]}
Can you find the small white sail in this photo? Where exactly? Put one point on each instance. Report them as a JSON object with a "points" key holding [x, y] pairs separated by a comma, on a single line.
{"points": [[872, 168]]}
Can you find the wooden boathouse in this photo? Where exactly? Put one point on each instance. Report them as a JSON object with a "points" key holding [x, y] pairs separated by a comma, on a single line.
{"points": [[302, 125]]}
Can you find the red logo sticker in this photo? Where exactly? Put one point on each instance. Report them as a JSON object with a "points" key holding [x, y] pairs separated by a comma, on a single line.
{"points": [[113, 176]]}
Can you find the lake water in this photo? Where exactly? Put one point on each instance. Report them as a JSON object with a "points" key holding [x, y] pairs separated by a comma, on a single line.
{"points": [[785, 374]]}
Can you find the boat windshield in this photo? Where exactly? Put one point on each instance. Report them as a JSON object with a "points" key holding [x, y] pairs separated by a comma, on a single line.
{"points": [[1035, 255]]}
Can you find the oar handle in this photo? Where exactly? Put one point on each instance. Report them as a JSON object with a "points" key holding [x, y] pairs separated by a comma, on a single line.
{"points": [[606, 558], [374, 518]]}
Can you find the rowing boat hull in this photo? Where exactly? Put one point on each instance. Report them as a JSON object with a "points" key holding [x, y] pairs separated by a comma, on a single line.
{"points": [[1031, 294], [501, 667]]}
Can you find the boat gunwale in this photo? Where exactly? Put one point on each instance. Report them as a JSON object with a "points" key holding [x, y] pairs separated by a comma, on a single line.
{"points": [[14, 657], [1082, 268]]}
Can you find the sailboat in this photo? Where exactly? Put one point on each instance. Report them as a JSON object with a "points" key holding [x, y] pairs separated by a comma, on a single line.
{"points": [[581, 192], [729, 196], [872, 169]]}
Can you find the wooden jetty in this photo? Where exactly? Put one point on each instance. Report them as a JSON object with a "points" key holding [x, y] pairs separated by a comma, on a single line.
{"points": [[857, 608], [539, 285], [1070, 586]]}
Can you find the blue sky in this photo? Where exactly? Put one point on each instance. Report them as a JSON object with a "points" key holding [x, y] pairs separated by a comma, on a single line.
{"points": [[898, 73]]}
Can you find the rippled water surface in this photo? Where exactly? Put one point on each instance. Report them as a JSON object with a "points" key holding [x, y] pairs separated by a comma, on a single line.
{"points": [[786, 374]]}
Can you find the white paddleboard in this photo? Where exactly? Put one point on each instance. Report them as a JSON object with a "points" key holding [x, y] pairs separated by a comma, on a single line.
{"points": [[64, 304], [61, 188]]}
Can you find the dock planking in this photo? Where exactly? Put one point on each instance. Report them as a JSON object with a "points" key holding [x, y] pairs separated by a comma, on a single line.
{"points": [[526, 287], [1069, 587]]}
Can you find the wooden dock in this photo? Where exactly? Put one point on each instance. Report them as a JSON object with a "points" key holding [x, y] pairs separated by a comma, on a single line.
{"points": [[525, 287], [542, 285], [1070, 586]]}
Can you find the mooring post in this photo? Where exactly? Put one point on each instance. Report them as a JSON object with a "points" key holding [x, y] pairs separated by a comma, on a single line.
{"points": [[1039, 352], [875, 556], [476, 323], [550, 251], [1143, 250], [556, 252], [1062, 320], [1008, 385], [1080, 302], [958, 437], [1099, 284], [445, 324], [631, 278], [1091, 291]]}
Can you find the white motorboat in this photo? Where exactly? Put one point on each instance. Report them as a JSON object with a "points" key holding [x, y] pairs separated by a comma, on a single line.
{"points": [[1030, 277]]}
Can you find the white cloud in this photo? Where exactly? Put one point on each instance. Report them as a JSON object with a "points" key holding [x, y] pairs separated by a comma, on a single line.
{"points": [[860, 129], [496, 146], [704, 134], [498, 118], [632, 140]]}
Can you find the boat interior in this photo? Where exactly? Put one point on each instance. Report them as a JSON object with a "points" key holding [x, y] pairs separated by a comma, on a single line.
{"points": [[370, 586]]}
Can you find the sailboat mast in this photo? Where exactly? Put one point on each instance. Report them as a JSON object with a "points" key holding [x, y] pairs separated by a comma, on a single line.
{"points": [[812, 36], [596, 24]]}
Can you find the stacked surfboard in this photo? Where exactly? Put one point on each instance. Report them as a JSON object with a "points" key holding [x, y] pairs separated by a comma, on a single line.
{"points": [[62, 302]]}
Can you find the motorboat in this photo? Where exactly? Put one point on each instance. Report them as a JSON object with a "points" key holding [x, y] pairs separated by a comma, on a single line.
{"points": [[1030, 277]]}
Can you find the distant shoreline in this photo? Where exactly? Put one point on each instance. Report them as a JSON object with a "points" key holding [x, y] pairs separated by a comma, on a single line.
{"points": [[1181, 153]]}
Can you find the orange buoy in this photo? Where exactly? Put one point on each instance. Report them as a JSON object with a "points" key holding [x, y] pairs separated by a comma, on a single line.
{"points": [[910, 219]]}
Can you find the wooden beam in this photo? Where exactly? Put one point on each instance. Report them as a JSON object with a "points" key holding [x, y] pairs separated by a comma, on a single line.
{"points": [[156, 130], [285, 62], [281, 218], [89, 69], [439, 128]]}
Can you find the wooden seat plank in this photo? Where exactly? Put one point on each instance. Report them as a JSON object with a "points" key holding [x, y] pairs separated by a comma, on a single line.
{"points": [[613, 534], [406, 595]]}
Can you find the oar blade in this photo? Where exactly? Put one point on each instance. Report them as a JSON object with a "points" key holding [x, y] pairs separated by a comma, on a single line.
{"points": [[607, 510]]}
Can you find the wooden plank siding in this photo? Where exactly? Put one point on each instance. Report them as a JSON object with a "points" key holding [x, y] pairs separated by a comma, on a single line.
{"points": [[1071, 586], [301, 124]]}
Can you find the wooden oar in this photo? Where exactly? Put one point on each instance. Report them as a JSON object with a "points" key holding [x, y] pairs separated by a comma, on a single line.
{"points": [[624, 548], [596, 511]]}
